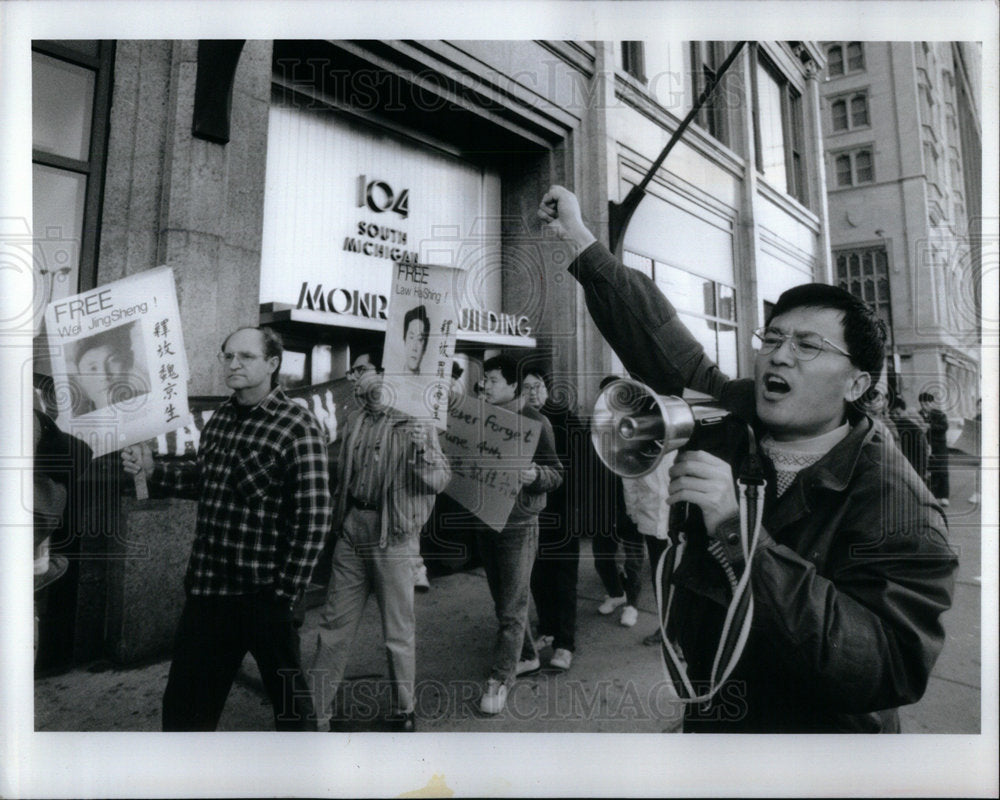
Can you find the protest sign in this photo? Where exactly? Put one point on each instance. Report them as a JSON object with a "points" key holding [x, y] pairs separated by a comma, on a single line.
{"points": [[119, 365], [488, 447], [330, 403], [420, 341]]}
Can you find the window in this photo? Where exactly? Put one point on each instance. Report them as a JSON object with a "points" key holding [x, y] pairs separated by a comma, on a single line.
{"points": [[855, 57], [835, 60], [634, 60], [706, 57], [926, 105], [778, 130], [70, 87], [837, 64], [956, 174], [707, 307], [854, 167], [850, 112], [864, 273], [931, 163], [859, 110]]}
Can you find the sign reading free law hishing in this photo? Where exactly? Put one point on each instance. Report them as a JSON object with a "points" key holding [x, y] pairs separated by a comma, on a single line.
{"points": [[420, 342], [119, 365]]}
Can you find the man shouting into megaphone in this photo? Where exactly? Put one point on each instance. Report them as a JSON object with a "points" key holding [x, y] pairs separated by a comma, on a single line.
{"points": [[852, 570]]}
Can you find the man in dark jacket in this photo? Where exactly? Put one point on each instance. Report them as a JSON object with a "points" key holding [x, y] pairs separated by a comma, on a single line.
{"points": [[912, 436], [852, 570], [937, 437]]}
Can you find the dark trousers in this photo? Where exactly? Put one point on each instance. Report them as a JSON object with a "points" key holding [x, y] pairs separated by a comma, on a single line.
{"points": [[624, 534], [213, 636], [938, 467], [553, 586]]}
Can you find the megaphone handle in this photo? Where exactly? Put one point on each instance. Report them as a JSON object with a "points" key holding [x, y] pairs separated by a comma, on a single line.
{"points": [[686, 517]]}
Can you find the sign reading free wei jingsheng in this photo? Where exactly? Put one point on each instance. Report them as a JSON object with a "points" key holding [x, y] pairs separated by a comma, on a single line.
{"points": [[487, 447], [119, 365]]}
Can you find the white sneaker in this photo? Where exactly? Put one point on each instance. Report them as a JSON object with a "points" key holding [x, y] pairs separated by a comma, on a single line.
{"points": [[561, 659], [420, 582], [528, 667], [543, 641], [611, 603], [494, 698], [944, 502], [630, 616], [974, 500]]}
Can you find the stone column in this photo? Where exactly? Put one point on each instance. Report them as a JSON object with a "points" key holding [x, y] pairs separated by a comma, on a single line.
{"points": [[195, 206]]}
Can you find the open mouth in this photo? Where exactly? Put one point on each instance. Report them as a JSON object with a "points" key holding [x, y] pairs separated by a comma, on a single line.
{"points": [[776, 385]]}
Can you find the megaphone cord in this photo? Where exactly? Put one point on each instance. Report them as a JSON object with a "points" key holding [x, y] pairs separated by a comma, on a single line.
{"points": [[739, 613]]}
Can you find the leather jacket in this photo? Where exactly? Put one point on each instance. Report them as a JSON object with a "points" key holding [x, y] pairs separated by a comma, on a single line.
{"points": [[852, 572]]}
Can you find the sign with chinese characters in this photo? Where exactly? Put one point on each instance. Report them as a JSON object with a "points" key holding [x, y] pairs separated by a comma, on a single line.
{"points": [[420, 342], [119, 365], [487, 447]]}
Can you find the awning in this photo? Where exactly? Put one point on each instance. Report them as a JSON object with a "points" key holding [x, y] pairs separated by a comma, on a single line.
{"points": [[272, 313]]}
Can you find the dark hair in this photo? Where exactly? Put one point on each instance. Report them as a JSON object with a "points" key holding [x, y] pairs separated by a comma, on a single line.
{"points": [[608, 379], [864, 332], [508, 368], [925, 397], [374, 356], [456, 370], [417, 312], [538, 371], [118, 339], [270, 342]]}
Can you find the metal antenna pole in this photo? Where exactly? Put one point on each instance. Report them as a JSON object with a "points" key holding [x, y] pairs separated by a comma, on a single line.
{"points": [[619, 214]]}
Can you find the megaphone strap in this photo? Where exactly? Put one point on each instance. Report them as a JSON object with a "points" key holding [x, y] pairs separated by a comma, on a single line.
{"points": [[739, 613]]}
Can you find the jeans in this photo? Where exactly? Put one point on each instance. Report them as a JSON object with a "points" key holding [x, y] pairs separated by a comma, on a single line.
{"points": [[213, 636], [507, 557], [605, 546], [553, 586], [358, 572]]}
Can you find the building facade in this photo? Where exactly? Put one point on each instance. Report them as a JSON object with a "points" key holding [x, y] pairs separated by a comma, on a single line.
{"points": [[902, 135], [284, 180]]}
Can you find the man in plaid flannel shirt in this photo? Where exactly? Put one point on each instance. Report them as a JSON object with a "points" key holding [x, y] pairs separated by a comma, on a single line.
{"points": [[261, 481]]}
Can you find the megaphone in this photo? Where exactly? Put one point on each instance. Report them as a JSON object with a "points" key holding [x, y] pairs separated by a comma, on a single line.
{"points": [[633, 428]]}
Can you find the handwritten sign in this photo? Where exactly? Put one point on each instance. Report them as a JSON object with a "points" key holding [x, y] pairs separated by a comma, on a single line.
{"points": [[120, 368], [420, 341], [487, 447]]}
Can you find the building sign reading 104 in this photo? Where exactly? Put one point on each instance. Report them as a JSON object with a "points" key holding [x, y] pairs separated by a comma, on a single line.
{"points": [[376, 240], [379, 196]]}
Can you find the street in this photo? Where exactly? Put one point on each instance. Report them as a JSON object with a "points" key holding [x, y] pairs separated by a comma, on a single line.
{"points": [[615, 684]]}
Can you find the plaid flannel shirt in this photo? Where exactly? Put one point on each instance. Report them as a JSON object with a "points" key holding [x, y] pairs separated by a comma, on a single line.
{"points": [[263, 495]]}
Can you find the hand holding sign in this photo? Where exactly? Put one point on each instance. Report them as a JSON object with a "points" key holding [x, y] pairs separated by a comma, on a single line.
{"points": [[529, 475], [137, 461]]}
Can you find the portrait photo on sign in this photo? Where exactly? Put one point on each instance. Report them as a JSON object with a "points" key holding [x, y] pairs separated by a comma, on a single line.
{"points": [[420, 342], [106, 369], [416, 332]]}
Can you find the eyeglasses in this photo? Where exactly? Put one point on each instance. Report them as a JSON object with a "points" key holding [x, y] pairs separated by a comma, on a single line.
{"points": [[244, 358], [806, 345]]}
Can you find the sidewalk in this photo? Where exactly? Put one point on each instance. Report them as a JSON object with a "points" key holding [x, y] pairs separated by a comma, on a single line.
{"points": [[615, 685]]}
